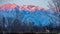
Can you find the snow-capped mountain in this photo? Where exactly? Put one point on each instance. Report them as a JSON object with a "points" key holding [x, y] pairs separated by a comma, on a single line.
{"points": [[28, 13]]}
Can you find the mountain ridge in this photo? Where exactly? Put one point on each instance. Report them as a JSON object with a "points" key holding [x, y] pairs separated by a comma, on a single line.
{"points": [[23, 7]]}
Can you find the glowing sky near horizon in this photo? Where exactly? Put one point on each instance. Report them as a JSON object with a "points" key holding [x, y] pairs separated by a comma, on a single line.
{"points": [[42, 3]]}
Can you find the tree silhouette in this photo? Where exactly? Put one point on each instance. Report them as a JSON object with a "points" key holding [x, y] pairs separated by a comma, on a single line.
{"points": [[3, 24], [16, 26], [56, 4]]}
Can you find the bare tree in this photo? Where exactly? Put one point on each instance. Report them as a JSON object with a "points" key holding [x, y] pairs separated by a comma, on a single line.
{"points": [[3, 24], [56, 4]]}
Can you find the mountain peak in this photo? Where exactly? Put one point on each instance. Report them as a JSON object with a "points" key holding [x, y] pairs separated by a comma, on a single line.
{"points": [[23, 7], [29, 7], [8, 6]]}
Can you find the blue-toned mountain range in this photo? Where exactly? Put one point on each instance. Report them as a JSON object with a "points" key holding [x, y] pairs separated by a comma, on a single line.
{"points": [[38, 17]]}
